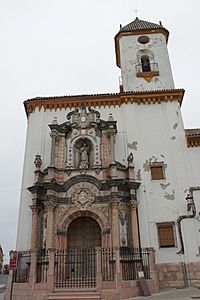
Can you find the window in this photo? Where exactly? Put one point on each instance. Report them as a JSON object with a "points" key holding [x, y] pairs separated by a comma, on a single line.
{"points": [[157, 171], [166, 234], [145, 61], [143, 39]]}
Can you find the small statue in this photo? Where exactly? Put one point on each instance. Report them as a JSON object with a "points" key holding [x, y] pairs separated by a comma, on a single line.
{"points": [[84, 156], [38, 161]]}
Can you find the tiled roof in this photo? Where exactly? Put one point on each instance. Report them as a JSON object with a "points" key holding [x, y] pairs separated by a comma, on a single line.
{"points": [[140, 25], [104, 95]]}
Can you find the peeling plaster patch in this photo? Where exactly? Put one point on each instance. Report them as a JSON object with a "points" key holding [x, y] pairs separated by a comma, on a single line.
{"points": [[133, 145], [146, 165], [185, 191], [169, 196], [138, 175], [164, 186], [175, 126], [162, 155], [173, 138], [156, 80], [177, 113]]}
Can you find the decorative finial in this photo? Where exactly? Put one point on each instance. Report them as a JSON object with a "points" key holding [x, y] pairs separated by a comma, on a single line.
{"points": [[136, 13], [130, 159], [38, 161], [55, 122], [110, 117]]}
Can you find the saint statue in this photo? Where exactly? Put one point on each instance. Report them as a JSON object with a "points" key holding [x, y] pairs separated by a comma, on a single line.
{"points": [[84, 156]]}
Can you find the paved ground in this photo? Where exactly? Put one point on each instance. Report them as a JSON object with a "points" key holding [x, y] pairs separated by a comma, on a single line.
{"points": [[173, 294], [3, 282]]}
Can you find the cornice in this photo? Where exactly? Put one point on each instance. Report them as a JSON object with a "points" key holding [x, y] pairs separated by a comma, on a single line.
{"points": [[103, 100], [192, 137], [120, 34]]}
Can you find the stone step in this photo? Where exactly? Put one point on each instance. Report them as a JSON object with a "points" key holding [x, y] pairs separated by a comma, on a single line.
{"points": [[74, 294]]}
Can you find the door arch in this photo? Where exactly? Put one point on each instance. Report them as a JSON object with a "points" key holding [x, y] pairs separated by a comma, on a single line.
{"points": [[83, 232]]}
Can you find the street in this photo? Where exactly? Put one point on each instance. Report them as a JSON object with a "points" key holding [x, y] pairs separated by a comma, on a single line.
{"points": [[173, 294]]}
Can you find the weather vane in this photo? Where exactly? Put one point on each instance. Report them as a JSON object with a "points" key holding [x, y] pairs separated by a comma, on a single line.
{"points": [[136, 12]]}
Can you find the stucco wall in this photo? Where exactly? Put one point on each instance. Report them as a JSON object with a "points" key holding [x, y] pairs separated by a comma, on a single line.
{"points": [[129, 46], [152, 133]]}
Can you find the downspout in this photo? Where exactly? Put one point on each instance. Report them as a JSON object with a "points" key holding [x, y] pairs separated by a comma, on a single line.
{"points": [[191, 208]]}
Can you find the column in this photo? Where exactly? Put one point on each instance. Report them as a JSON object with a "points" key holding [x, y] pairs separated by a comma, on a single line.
{"points": [[50, 206], [34, 238], [35, 210], [134, 224], [112, 147], [53, 135], [98, 269], [115, 223]]}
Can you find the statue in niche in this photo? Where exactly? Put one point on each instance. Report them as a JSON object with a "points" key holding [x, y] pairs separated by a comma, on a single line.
{"points": [[84, 156]]}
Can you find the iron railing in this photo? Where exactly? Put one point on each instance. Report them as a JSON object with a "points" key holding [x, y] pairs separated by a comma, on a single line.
{"points": [[75, 268], [42, 266], [134, 260], [21, 275], [107, 264], [152, 67]]}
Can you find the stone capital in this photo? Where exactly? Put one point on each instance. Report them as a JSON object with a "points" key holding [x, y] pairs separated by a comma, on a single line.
{"points": [[133, 204], [49, 205], [115, 203], [34, 207]]}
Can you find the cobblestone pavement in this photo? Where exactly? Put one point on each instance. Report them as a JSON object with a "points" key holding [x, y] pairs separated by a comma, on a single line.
{"points": [[173, 294]]}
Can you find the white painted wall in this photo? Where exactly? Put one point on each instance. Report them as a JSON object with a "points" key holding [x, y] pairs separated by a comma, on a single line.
{"points": [[129, 46]]}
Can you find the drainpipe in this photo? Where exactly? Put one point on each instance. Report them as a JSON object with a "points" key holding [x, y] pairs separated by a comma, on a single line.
{"points": [[192, 210]]}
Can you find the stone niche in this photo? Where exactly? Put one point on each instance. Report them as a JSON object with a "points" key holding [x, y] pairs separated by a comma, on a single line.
{"points": [[88, 140]]}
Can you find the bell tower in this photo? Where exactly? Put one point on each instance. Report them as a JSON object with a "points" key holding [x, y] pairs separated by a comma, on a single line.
{"points": [[142, 55]]}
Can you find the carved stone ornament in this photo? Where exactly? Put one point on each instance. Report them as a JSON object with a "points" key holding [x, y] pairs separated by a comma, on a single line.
{"points": [[82, 118], [49, 205], [123, 217], [38, 161], [83, 198], [130, 158], [115, 203], [133, 204]]}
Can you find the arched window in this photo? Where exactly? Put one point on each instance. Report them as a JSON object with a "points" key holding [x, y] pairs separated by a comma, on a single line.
{"points": [[145, 61]]}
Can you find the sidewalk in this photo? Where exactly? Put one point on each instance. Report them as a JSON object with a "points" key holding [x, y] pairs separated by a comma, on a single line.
{"points": [[173, 294]]}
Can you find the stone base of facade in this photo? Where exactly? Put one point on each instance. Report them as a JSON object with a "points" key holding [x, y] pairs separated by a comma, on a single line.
{"points": [[109, 291], [178, 274]]}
